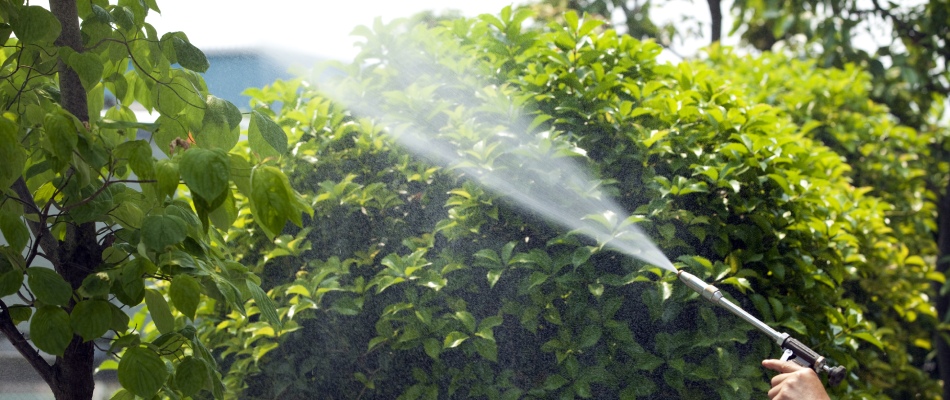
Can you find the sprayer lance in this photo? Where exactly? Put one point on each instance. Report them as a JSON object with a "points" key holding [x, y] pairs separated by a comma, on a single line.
{"points": [[793, 349]]}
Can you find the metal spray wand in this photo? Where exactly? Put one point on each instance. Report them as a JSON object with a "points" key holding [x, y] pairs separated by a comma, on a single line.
{"points": [[793, 349]]}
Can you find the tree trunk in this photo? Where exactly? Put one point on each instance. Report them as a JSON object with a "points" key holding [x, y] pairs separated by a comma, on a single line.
{"points": [[943, 301], [79, 253], [715, 13]]}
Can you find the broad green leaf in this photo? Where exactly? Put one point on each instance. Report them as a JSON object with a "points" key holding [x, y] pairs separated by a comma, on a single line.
{"points": [[62, 134], [205, 172], [265, 136], [191, 375], [190, 56], [20, 313], [159, 310], [142, 371], [36, 25], [454, 339], [185, 293], [48, 286], [220, 126], [50, 330], [273, 201], [167, 100], [91, 319], [88, 66], [10, 282], [166, 173], [97, 284], [12, 226], [264, 303], [12, 154], [160, 231]]}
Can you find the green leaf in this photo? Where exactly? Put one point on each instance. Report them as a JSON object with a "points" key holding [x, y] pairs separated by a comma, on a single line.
{"points": [[48, 286], [12, 226], [454, 339], [220, 126], [273, 201], [10, 282], [50, 330], [467, 320], [159, 310], [12, 154], [62, 134], [185, 293], [20, 313], [91, 319], [205, 172], [265, 136], [189, 56], [97, 284], [88, 66], [191, 375], [35, 24], [142, 371], [160, 231], [166, 173], [264, 303]]}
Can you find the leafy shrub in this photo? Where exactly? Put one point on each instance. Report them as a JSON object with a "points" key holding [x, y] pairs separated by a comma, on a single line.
{"points": [[412, 280]]}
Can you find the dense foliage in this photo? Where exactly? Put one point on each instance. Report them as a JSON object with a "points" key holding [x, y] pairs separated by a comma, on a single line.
{"points": [[94, 225], [412, 280]]}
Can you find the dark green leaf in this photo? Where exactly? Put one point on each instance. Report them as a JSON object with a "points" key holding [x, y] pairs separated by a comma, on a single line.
{"points": [[35, 24], [48, 286], [142, 371], [91, 318], [50, 330], [159, 310], [10, 282], [185, 293], [12, 154], [88, 66], [265, 136], [206, 172], [160, 231], [190, 56], [62, 134], [191, 375], [264, 303]]}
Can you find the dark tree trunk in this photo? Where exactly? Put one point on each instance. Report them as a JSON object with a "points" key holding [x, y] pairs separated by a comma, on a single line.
{"points": [[943, 301], [715, 13], [79, 253]]}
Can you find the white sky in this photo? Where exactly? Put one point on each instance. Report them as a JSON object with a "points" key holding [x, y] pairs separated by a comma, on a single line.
{"points": [[314, 27]]}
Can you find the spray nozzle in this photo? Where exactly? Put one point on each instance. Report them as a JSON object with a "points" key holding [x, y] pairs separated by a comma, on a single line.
{"points": [[794, 349]]}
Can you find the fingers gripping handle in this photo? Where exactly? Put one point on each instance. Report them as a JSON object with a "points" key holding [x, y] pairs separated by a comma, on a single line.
{"points": [[803, 355]]}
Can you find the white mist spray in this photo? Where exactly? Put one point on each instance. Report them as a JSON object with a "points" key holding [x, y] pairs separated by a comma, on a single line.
{"points": [[555, 187]]}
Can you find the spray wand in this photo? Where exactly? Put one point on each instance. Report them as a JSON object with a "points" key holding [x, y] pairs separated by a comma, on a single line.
{"points": [[793, 349]]}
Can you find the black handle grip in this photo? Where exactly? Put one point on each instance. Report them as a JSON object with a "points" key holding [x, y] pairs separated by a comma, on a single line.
{"points": [[801, 351], [806, 357]]}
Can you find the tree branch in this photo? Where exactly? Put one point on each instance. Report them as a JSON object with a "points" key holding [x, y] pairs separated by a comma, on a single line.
{"points": [[39, 228], [23, 346]]}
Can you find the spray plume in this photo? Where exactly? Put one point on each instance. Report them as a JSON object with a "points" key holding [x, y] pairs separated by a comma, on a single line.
{"points": [[530, 170]]}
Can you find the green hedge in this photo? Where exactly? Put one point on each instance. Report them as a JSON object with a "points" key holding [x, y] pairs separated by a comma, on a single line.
{"points": [[412, 280]]}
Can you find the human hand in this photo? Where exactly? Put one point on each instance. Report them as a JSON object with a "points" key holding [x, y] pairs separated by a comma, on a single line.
{"points": [[794, 382]]}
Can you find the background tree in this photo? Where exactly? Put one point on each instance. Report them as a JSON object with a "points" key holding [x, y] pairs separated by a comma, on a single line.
{"points": [[81, 191], [903, 45], [413, 280]]}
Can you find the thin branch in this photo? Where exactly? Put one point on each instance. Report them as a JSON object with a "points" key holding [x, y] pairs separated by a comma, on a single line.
{"points": [[92, 197], [23, 346], [39, 228]]}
